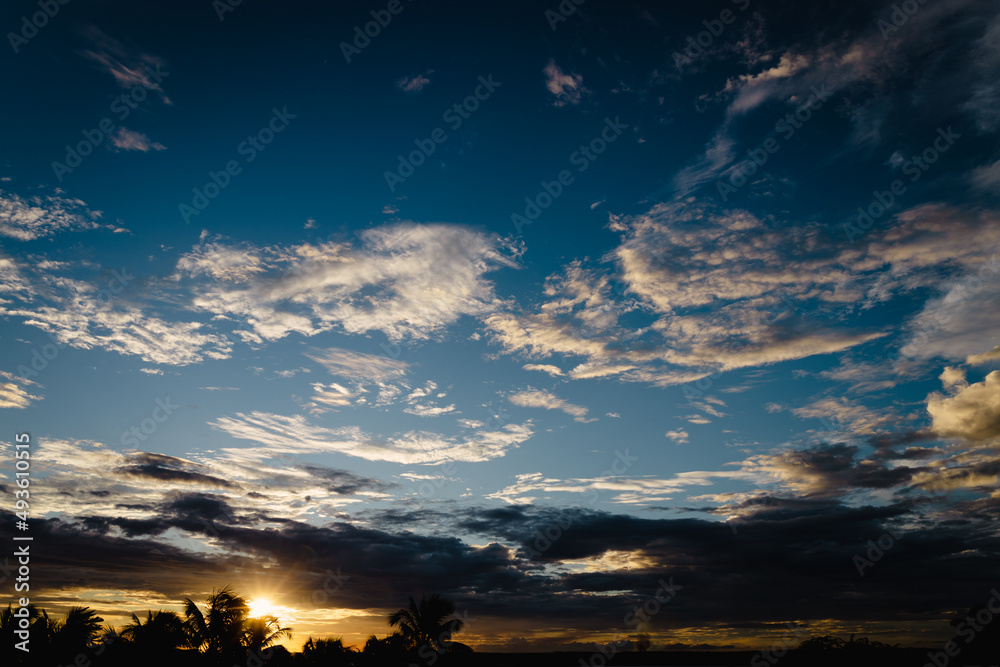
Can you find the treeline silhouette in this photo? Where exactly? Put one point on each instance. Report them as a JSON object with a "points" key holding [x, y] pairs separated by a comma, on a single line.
{"points": [[221, 633]]}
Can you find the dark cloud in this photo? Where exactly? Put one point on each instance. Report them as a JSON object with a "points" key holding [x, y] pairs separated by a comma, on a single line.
{"points": [[170, 469], [345, 483]]}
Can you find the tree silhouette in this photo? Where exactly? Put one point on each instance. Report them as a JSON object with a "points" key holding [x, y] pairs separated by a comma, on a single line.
{"points": [[260, 633], [327, 652], [220, 630], [386, 652], [427, 623], [162, 632]]}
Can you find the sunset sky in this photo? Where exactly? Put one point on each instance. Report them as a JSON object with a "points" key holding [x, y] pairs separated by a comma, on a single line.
{"points": [[531, 305]]}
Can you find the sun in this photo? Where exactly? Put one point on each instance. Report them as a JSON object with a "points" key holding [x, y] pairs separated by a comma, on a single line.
{"points": [[261, 607]]}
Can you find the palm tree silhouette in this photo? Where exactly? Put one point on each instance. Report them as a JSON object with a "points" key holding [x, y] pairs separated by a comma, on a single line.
{"points": [[220, 630], [428, 622], [260, 633], [163, 632], [327, 652]]}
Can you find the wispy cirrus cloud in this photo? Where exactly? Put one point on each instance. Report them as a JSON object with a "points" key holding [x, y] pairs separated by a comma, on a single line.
{"points": [[278, 434], [14, 392], [128, 66], [540, 398]]}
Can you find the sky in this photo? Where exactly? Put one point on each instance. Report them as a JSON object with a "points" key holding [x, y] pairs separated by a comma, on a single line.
{"points": [[540, 306]]}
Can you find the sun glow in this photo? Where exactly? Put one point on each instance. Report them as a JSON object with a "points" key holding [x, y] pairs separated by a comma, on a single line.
{"points": [[262, 607]]}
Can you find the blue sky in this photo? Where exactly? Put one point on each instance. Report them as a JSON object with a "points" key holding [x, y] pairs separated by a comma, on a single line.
{"points": [[746, 250]]}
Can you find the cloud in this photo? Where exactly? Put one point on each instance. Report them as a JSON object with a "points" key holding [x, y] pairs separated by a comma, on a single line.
{"points": [[863, 65], [359, 365], [128, 140], [719, 290], [277, 434], [414, 84], [419, 405], [13, 393], [535, 398], [984, 358], [127, 66], [330, 396], [554, 371], [680, 436], [826, 470], [83, 322], [567, 88], [847, 414], [40, 216], [972, 411], [406, 280], [106, 311], [626, 490], [984, 60]]}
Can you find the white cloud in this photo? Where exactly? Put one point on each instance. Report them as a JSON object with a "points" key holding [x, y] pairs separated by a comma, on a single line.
{"points": [[128, 140], [277, 434], [680, 436], [972, 411], [535, 398], [13, 393], [39, 216], [567, 88], [554, 371], [359, 365], [405, 280], [429, 410], [331, 395], [984, 358], [846, 413], [624, 490], [102, 313]]}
